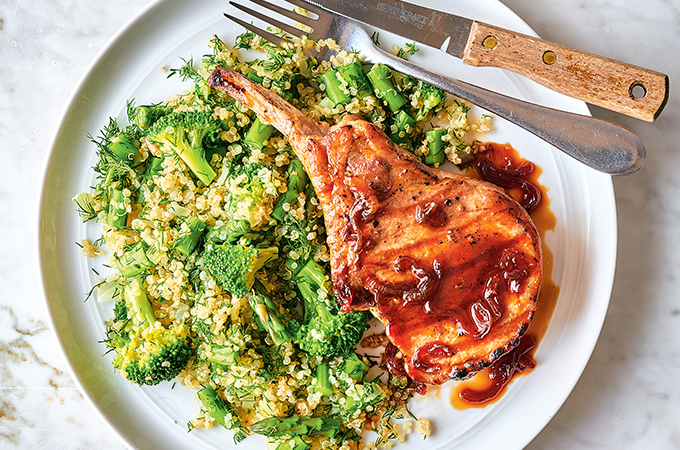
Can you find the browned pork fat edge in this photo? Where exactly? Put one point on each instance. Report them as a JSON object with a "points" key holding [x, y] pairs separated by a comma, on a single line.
{"points": [[450, 264]]}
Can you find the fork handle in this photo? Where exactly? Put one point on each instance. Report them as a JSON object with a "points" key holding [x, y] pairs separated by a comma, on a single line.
{"points": [[620, 87], [601, 145]]}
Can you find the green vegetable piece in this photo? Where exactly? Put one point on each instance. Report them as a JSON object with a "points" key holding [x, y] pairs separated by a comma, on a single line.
{"points": [[234, 266], [137, 301], [325, 330], [154, 165], [402, 128], [431, 96], [323, 384], [269, 316], [216, 407], [108, 291], [146, 352], [258, 133], [358, 401], [296, 443], [221, 355], [86, 206], [380, 77], [333, 88], [187, 242], [253, 76], [184, 134], [297, 181], [154, 253], [436, 146], [146, 115], [123, 148], [297, 426], [355, 367], [133, 261], [117, 212], [228, 233], [355, 77]]}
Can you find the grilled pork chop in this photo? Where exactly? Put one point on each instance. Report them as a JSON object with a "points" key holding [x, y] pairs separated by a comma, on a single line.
{"points": [[450, 264]]}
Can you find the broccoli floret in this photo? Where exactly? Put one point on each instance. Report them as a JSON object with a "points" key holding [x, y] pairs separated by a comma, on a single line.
{"points": [[423, 96], [184, 133], [146, 351], [253, 191], [234, 265], [325, 331], [431, 96]]}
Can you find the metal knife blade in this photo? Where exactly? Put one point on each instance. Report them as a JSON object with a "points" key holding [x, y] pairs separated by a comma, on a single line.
{"points": [[444, 31]]}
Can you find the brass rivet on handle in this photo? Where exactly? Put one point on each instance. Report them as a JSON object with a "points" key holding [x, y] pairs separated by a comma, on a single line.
{"points": [[549, 57], [637, 90], [490, 42]]}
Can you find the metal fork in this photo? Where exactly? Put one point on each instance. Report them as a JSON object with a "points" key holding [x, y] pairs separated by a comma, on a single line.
{"points": [[599, 144]]}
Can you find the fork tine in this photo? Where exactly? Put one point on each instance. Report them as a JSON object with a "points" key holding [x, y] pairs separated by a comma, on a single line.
{"points": [[308, 7], [284, 12], [274, 39], [283, 26]]}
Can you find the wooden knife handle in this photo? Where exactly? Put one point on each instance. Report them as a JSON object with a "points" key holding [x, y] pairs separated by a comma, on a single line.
{"points": [[614, 85]]}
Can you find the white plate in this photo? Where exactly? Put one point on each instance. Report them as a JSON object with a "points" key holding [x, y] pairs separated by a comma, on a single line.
{"points": [[583, 243]]}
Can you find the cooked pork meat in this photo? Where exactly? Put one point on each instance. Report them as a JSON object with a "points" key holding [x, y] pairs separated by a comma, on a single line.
{"points": [[450, 264]]}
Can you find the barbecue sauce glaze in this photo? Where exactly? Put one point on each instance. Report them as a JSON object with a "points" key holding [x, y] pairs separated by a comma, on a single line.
{"points": [[501, 165]]}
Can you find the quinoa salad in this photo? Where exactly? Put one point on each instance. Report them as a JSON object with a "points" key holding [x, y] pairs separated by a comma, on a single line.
{"points": [[221, 277]]}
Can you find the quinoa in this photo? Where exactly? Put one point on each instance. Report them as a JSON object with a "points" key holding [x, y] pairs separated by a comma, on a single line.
{"points": [[261, 380]]}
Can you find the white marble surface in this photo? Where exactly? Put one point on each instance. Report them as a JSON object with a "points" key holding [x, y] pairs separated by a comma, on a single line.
{"points": [[629, 395]]}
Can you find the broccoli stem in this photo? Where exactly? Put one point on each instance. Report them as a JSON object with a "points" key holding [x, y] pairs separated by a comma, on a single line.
{"points": [[312, 273], [297, 180], [323, 383], [123, 148], [334, 89], [136, 300], [436, 146], [258, 133], [223, 356], [187, 242], [402, 127], [309, 279], [197, 163], [297, 426], [380, 78], [230, 232], [117, 214], [269, 316]]}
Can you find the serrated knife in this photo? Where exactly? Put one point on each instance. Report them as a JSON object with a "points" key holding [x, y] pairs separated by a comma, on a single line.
{"points": [[610, 84]]}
